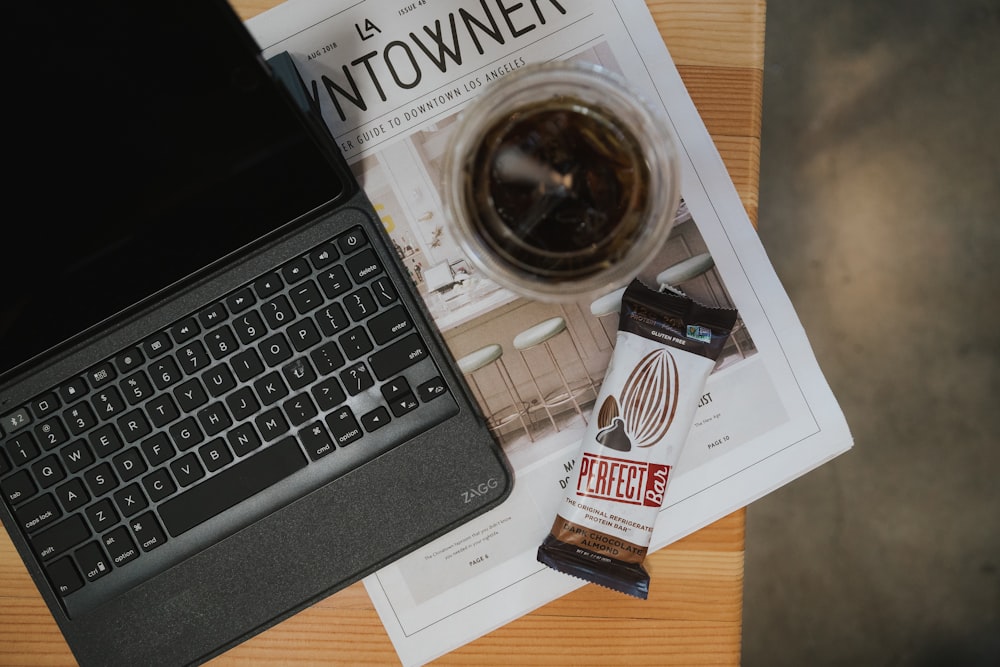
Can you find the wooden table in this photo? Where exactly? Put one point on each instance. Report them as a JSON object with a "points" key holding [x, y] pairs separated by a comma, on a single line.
{"points": [[694, 612]]}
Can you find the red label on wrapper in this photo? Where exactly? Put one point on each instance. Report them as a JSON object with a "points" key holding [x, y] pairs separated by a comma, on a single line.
{"points": [[621, 480]]}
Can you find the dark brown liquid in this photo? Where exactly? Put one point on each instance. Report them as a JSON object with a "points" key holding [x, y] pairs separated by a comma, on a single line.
{"points": [[559, 189]]}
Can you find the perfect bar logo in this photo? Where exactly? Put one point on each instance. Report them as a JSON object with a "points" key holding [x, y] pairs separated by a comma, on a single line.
{"points": [[622, 481]]}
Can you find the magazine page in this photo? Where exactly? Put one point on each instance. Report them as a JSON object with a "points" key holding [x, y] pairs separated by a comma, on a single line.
{"points": [[390, 78]]}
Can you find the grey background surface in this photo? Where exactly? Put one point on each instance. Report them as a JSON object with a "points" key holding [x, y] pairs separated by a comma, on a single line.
{"points": [[880, 210]]}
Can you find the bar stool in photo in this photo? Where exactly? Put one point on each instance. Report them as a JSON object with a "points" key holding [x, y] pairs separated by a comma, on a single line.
{"points": [[605, 306], [492, 355], [541, 335]]}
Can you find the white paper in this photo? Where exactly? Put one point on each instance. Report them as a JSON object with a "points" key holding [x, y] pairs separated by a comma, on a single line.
{"points": [[767, 415]]}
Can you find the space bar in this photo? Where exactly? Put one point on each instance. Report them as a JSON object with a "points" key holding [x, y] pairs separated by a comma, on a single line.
{"points": [[233, 485]]}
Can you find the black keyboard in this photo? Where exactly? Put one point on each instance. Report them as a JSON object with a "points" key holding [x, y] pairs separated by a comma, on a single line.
{"points": [[265, 394]]}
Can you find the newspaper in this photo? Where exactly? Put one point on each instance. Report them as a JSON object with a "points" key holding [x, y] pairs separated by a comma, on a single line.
{"points": [[389, 79]]}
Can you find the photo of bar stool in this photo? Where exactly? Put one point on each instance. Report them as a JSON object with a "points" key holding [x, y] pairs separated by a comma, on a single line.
{"points": [[604, 306], [541, 335], [492, 355], [692, 267]]}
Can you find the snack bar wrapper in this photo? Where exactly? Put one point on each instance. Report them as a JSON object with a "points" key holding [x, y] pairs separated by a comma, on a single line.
{"points": [[666, 347]]}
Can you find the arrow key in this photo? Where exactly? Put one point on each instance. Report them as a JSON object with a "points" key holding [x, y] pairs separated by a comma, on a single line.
{"points": [[375, 419]]}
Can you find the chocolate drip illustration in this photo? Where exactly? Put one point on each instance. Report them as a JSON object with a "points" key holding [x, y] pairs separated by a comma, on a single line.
{"points": [[614, 436]]}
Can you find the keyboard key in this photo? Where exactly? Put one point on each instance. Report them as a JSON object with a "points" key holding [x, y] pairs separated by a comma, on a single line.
{"points": [[299, 409], [212, 315], [298, 374], [221, 342], [38, 513], [364, 266], [186, 434], [243, 439], [360, 304], [130, 500], [334, 281], [328, 394], [356, 378], [92, 561], [51, 433], [187, 470], [249, 327], [395, 388], [231, 486], [72, 495], [147, 532], [355, 343], [403, 404], [64, 576], [107, 403], [104, 441], [214, 418], [384, 291], [303, 335], [48, 471], [18, 487], [247, 365], [343, 426], [242, 403], [275, 350], [327, 358], [101, 515], [332, 319], [100, 479], [375, 419], [22, 448], [316, 440], [190, 396], [15, 420], [129, 360], [323, 255], [267, 285], [240, 300], [270, 388], [193, 357], [158, 485], [129, 464], [134, 425], [218, 380], [185, 330], [398, 356], [157, 449], [121, 548], [277, 312], [72, 390], [215, 455], [390, 324], [352, 241], [156, 344], [45, 404], [76, 456], [100, 375], [61, 537], [136, 388], [164, 372], [79, 418], [295, 270], [271, 424]]}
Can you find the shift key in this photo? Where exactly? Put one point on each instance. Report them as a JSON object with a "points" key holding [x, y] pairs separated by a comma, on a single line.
{"points": [[401, 354], [60, 537]]}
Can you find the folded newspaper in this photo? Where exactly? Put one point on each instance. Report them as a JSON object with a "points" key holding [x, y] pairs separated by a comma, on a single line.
{"points": [[390, 78]]}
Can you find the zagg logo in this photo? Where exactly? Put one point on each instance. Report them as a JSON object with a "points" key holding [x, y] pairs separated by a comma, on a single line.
{"points": [[479, 490], [621, 480]]}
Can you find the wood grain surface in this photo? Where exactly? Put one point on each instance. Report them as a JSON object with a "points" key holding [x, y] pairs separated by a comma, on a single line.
{"points": [[694, 613]]}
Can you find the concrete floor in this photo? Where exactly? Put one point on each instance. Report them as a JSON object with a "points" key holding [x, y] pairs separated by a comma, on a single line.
{"points": [[880, 209]]}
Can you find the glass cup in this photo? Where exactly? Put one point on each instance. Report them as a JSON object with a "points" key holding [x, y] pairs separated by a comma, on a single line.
{"points": [[561, 181]]}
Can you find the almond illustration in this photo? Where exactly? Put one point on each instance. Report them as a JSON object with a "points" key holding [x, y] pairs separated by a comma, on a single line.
{"points": [[649, 398], [607, 413]]}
